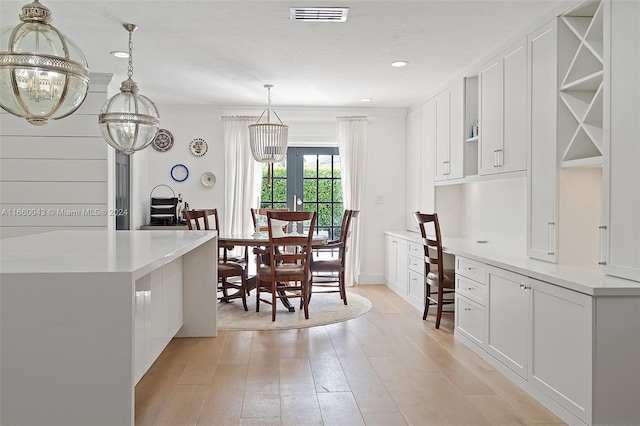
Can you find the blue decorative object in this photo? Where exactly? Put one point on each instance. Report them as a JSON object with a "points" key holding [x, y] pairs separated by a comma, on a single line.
{"points": [[179, 173]]}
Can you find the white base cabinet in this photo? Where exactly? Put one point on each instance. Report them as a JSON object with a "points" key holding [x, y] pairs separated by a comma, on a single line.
{"points": [[404, 268]]}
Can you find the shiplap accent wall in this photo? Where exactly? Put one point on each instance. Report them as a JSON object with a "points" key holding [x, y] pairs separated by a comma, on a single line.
{"points": [[56, 176]]}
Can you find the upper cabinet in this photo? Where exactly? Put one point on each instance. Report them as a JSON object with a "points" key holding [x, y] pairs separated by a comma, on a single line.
{"points": [[449, 122], [503, 112]]}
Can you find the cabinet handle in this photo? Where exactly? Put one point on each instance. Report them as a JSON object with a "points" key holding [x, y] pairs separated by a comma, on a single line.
{"points": [[549, 233], [468, 268], [522, 286], [496, 158], [467, 309], [602, 260], [469, 288]]}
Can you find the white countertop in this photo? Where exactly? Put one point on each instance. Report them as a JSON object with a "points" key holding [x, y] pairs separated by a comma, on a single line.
{"points": [[79, 251], [588, 279]]}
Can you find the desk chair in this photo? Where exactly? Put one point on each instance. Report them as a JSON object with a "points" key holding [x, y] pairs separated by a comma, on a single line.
{"points": [[328, 274], [199, 219], [435, 274], [290, 259]]}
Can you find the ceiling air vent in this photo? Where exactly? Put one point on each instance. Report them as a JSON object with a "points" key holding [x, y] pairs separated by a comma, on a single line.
{"points": [[319, 14]]}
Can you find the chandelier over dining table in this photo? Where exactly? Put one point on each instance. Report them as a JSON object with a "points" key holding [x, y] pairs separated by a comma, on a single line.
{"points": [[268, 140]]}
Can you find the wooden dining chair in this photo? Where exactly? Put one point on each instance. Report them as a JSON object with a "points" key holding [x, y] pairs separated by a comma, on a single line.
{"points": [[434, 272], [257, 213], [201, 220], [328, 274], [287, 275]]}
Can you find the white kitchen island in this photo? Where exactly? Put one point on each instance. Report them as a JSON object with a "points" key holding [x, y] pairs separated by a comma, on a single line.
{"points": [[84, 314]]}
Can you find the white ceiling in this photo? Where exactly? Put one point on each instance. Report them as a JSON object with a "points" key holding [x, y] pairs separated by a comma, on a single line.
{"points": [[222, 52]]}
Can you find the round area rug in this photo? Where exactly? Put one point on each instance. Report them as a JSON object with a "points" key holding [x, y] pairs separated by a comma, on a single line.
{"points": [[323, 309]]}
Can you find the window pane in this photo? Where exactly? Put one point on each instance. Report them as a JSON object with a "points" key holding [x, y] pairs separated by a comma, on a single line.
{"points": [[324, 190], [280, 190], [310, 190], [324, 214], [337, 214], [324, 166], [337, 173], [310, 166], [337, 191]]}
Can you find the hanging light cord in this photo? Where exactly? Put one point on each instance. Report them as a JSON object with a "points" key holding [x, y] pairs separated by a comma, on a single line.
{"points": [[268, 104]]}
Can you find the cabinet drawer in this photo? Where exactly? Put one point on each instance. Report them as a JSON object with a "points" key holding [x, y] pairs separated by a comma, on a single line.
{"points": [[470, 319], [415, 290], [416, 264], [470, 269], [471, 289], [416, 249]]}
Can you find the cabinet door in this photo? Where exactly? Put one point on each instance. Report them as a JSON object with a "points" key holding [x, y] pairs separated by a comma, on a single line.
{"points": [[561, 346], [514, 142], [427, 164], [415, 290], [402, 264], [413, 168], [456, 130], [390, 263], [469, 319], [621, 172], [443, 129], [542, 167], [491, 116], [507, 319]]}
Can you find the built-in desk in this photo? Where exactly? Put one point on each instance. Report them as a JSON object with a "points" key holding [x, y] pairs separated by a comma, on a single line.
{"points": [[83, 315], [569, 335]]}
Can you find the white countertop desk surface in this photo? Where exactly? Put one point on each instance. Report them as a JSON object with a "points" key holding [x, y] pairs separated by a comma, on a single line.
{"points": [[587, 279], [100, 251]]}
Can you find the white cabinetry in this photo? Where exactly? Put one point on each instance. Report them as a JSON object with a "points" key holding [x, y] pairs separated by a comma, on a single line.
{"points": [[542, 159], [470, 300], [621, 172], [395, 266], [415, 284], [449, 126], [544, 334], [503, 111], [420, 192]]}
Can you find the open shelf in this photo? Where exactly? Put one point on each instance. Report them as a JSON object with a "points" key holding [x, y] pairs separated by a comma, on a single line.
{"points": [[583, 162]]}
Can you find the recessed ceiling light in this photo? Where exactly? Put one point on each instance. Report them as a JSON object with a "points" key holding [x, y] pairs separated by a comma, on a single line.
{"points": [[399, 64], [365, 99], [120, 54]]}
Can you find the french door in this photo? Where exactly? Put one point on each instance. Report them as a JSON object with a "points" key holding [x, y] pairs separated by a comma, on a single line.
{"points": [[307, 180]]}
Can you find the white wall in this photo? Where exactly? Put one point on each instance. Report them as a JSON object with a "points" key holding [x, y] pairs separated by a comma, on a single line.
{"points": [[385, 170], [52, 175]]}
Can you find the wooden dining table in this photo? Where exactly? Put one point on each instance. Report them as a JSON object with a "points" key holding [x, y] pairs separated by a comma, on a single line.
{"points": [[261, 240]]}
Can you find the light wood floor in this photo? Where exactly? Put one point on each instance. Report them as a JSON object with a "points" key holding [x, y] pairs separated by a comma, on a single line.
{"points": [[387, 367]]}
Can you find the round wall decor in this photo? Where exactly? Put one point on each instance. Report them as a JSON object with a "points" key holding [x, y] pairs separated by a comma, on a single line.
{"points": [[208, 179], [179, 173], [198, 147], [163, 141]]}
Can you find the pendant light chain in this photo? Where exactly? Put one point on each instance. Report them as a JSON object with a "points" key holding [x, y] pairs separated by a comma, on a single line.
{"points": [[130, 68]]}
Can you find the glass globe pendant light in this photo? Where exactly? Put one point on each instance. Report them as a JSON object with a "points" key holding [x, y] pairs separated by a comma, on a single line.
{"points": [[268, 140], [43, 74], [129, 121]]}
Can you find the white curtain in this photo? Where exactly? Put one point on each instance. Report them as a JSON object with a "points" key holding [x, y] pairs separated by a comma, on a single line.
{"points": [[242, 175], [352, 143]]}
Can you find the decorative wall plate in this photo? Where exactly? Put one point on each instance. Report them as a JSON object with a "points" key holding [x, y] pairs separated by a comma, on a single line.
{"points": [[179, 173], [163, 141], [198, 147], [208, 179]]}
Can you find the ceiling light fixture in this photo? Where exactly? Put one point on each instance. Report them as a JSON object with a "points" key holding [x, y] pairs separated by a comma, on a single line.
{"points": [[119, 54], [365, 99], [399, 64], [43, 75], [129, 121], [268, 140]]}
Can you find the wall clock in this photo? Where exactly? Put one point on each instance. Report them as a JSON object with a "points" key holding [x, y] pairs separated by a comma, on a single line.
{"points": [[179, 173], [198, 147]]}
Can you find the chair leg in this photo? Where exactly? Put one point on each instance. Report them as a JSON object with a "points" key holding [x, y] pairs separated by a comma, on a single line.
{"points": [[258, 294], [305, 297], [343, 290], [274, 292], [225, 293], [427, 295], [440, 299], [243, 292]]}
